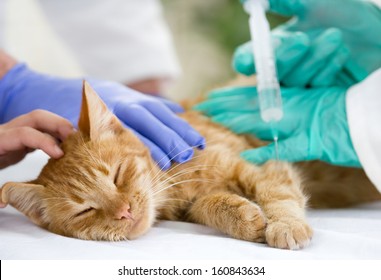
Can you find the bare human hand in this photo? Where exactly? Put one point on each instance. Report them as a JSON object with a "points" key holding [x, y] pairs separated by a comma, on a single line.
{"points": [[38, 129]]}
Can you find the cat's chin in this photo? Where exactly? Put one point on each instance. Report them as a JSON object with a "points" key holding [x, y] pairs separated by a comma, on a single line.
{"points": [[144, 216], [140, 227]]}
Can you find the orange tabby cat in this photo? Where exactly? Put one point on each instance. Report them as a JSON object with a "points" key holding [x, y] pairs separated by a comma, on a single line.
{"points": [[107, 187]]}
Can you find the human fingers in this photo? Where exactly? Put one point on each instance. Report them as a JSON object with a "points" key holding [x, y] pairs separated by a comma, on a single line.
{"points": [[173, 106], [243, 59], [328, 75], [145, 123], [321, 49], [289, 48], [156, 153], [345, 79], [244, 91], [218, 106], [21, 138], [293, 149], [248, 123], [238, 99], [44, 121], [178, 125], [354, 72]]}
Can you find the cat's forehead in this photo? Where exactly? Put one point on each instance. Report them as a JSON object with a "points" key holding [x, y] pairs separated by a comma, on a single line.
{"points": [[97, 160], [104, 161], [108, 147]]}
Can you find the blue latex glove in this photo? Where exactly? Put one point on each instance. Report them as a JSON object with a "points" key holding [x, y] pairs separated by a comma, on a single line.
{"points": [[328, 42], [314, 126], [152, 119]]}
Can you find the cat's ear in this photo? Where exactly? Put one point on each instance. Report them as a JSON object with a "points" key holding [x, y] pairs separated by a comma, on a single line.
{"points": [[95, 119], [25, 197]]}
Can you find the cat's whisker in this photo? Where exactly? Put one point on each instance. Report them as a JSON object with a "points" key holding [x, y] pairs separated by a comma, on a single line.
{"points": [[160, 174], [48, 198], [184, 172], [156, 184], [170, 159], [171, 202], [184, 150], [157, 177], [179, 183], [182, 182], [191, 167], [173, 199], [61, 199]]}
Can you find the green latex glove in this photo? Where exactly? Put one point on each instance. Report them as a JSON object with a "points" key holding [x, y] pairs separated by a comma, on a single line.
{"points": [[327, 42], [314, 126]]}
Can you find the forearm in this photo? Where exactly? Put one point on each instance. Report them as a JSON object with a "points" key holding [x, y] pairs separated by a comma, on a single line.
{"points": [[6, 63]]}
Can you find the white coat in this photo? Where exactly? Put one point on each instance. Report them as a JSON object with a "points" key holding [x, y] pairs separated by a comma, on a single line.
{"points": [[122, 40], [363, 103]]}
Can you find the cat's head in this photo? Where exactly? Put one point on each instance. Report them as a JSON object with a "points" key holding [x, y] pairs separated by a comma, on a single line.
{"points": [[101, 189]]}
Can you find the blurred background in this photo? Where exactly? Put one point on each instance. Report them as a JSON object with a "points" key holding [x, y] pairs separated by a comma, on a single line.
{"points": [[204, 36]]}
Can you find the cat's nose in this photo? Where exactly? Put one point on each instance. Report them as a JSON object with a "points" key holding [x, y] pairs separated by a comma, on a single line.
{"points": [[124, 213]]}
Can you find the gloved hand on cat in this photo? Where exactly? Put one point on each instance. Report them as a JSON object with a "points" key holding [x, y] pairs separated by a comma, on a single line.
{"points": [[152, 119], [327, 42], [314, 126]]}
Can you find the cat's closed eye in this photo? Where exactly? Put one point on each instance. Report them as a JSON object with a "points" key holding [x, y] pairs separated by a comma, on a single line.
{"points": [[87, 210], [117, 173]]}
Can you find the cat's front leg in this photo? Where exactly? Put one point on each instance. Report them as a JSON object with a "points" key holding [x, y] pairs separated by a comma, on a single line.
{"points": [[231, 214], [279, 194]]}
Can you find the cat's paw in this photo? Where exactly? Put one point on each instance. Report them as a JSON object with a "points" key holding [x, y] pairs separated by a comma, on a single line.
{"points": [[251, 225], [288, 234]]}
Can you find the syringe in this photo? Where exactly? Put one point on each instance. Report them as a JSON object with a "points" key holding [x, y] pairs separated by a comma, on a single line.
{"points": [[270, 100], [269, 96]]}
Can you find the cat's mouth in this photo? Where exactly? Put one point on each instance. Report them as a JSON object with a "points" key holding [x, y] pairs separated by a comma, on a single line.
{"points": [[143, 217], [138, 228], [136, 224]]}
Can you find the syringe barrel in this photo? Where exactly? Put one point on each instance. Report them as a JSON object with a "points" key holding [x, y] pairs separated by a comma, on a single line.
{"points": [[270, 103], [269, 95]]}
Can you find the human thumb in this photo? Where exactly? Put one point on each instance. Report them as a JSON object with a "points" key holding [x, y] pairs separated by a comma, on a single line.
{"points": [[260, 155], [293, 149], [243, 59]]}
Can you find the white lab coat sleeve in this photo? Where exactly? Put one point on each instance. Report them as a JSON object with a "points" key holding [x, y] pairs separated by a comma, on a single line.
{"points": [[122, 40], [377, 2], [363, 103]]}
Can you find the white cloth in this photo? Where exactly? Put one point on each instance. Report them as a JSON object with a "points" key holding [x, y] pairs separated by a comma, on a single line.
{"points": [[352, 233], [364, 119], [122, 40]]}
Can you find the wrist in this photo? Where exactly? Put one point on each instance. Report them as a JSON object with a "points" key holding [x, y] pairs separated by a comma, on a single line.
{"points": [[6, 63]]}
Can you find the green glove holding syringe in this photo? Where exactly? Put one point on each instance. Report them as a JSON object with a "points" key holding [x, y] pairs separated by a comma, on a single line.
{"points": [[321, 52]]}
